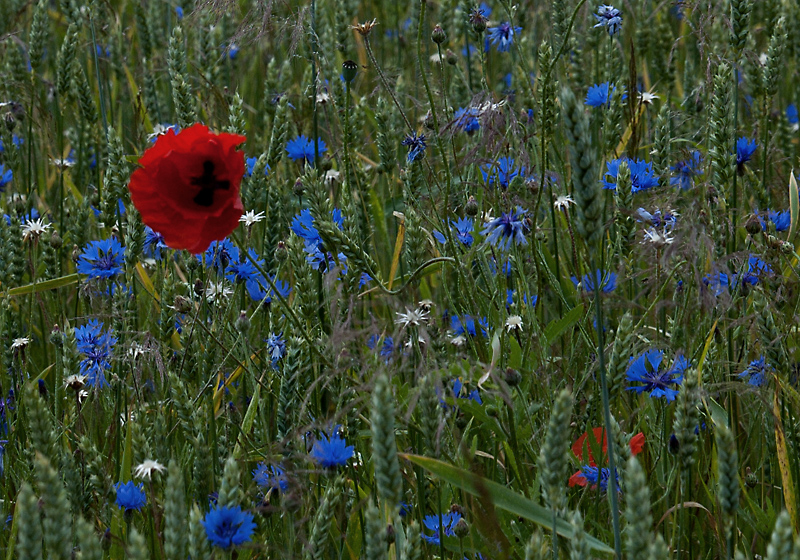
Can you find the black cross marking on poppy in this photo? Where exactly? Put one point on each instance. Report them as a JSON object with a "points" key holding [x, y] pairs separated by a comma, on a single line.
{"points": [[208, 183]]}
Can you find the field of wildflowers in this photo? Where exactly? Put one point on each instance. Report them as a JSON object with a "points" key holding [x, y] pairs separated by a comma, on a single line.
{"points": [[359, 279]]}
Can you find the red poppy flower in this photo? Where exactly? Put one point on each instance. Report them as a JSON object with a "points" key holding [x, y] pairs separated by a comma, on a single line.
{"points": [[577, 479], [187, 187]]}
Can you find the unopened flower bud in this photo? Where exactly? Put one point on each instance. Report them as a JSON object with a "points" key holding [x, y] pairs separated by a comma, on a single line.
{"points": [[513, 377], [753, 225], [298, 188], [450, 57], [471, 208], [281, 252], [461, 529], [438, 35], [243, 322]]}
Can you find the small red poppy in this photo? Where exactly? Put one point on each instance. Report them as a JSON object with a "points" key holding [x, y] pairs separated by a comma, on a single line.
{"points": [[577, 479], [187, 187]]}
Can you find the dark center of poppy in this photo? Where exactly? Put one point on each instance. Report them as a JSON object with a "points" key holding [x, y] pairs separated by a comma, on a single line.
{"points": [[208, 183]]}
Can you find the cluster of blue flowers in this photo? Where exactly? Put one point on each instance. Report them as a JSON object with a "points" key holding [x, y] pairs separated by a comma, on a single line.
{"points": [[685, 171], [318, 257], [270, 477], [96, 346], [416, 146], [462, 232], [224, 258], [606, 280], [447, 525], [610, 18], [642, 175], [503, 171]]}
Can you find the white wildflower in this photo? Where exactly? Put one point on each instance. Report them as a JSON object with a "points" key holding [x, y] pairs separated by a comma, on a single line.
{"points": [[34, 228], [417, 317], [514, 323], [20, 343], [563, 202], [251, 217], [147, 467], [217, 291]]}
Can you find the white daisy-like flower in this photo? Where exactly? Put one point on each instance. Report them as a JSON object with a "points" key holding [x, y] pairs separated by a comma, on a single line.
{"points": [[34, 228], [331, 175], [647, 98], [146, 468], [251, 217], [658, 238], [75, 382], [158, 130], [63, 162], [323, 97], [217, 291], [417, 317], [459, 340], [563, 202], [20, 343], [514, 323]]}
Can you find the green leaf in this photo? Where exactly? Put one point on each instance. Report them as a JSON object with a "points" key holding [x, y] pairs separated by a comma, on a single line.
{"points": [[557, 327], [501, 496], [44, 286]]}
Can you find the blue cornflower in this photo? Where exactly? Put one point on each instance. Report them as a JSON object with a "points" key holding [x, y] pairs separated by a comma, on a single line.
{"points": [[102, 52], [610, 18], [685, 171], [96, 346], [179, 12], [791, 114], [781, 218], [642, 175], [416, 145], [647, 369], [667, 220], [756, 372], [597, 477], [606, 280], [431, 522], [270, 476], [6, 175], [504, 171], [744, 152], [130, 496], [332, 452], [599, 95], [756, 268], [250, 165], [220, 254], [473, 395], [467, 119], [387, 349], [245, 271], [233, 50], [364, 279], [485, 9], [259, 288], [276, 346], [508, 228], [462, 230], [502, 36], [303, 227], [153, 244], [227, 527], [16, 140], [102, 259], [302, 148], [466, 325]]}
